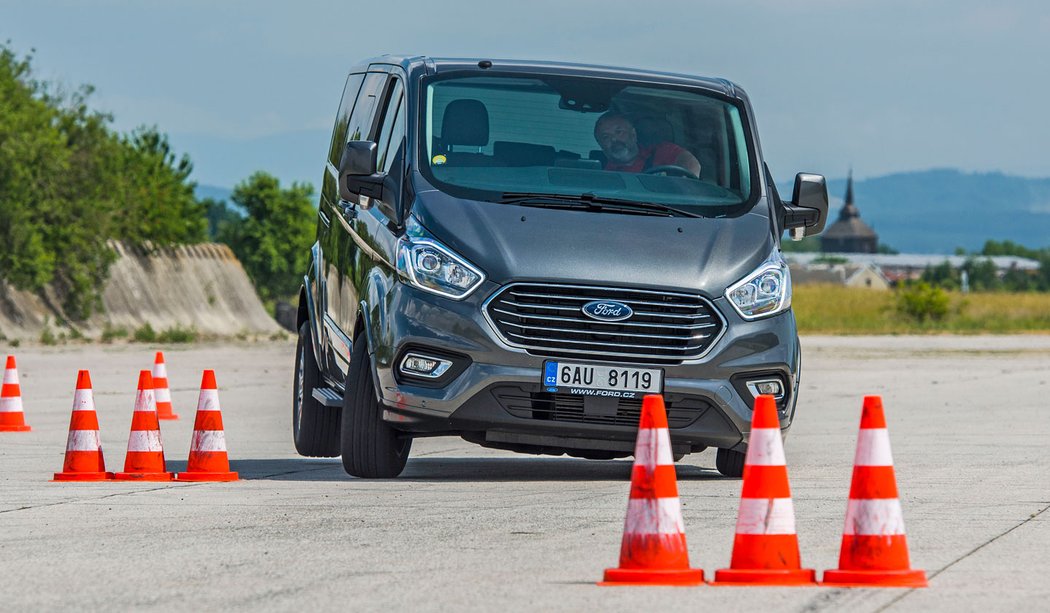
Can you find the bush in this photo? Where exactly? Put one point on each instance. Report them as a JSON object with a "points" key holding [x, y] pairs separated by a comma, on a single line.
{"points": [[47, 336], [922, 302], [109, 333], [145, 334], [178, 334]]}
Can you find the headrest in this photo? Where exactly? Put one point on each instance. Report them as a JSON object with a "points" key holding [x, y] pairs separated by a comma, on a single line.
{"points": [[466, 122], [653, 130]]}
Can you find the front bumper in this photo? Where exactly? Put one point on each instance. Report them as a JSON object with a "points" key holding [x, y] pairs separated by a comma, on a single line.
{"points": [[498, 397]]}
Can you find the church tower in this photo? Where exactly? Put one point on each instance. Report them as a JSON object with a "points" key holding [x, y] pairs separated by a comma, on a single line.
{"points": [[849, 234]]}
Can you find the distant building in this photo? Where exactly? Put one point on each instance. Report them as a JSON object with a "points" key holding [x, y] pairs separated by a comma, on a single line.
{"points": [[900, 266], [864, 275], [849, 234]]}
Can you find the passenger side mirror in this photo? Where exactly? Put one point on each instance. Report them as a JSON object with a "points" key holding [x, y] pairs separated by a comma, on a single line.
{"points": [[807, 213], [357, 171]]}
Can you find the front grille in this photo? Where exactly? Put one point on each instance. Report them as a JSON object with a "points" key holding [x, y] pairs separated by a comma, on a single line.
{"points": [[522, 402], [548, 320]]}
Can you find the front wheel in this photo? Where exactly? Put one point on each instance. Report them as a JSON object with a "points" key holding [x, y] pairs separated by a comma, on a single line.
{"points": [[730, 463], [371, 448]]}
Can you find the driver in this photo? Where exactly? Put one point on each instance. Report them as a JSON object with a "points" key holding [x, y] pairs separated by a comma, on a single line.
{"points": [[619, 141]]}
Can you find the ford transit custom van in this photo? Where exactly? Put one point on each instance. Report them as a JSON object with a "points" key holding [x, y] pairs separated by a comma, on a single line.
{"points": [[517, 252]]}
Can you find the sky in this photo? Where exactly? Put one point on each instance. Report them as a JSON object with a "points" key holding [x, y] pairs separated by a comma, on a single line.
{"points": [[878, 86]]}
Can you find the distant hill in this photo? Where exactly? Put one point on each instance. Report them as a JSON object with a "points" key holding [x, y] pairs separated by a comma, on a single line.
{"points": [[935, 211], [931, 211]]}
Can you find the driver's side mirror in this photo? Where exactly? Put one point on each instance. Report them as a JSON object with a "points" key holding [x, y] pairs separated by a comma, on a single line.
{"points": [[358, 175], [807, 213]]}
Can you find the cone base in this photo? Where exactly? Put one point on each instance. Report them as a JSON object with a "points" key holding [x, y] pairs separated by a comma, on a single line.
{"points": [[83, 476], [230, 476], [875, 578], [15, 428], [144, 476], [765, 576], [645, 576]]}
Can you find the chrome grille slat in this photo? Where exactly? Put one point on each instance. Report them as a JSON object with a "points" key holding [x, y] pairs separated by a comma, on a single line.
{"points": [[548, 320], [604, 323], [630, 334], [593, 298], [599, 343]]}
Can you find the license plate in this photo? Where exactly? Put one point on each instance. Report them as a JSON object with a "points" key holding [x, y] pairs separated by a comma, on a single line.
{"points": [[601, 380]]}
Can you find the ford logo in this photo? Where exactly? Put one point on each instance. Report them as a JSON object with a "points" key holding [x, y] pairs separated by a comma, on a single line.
{"points": [[607, 310]]}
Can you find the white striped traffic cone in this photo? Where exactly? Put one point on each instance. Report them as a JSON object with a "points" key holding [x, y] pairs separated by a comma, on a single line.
{"points": [[874, 548], [145, 457], [765, 549], [160, 388], [84, 461], [208, 459], [12, 419], [653, 550]]}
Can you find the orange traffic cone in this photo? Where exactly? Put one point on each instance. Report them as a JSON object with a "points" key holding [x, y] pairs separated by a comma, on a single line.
{"points": [[84, 461], [208, 460], [874, 548], [765, 549], [160, 388], [145, 458], [12, 419], [653, 551]]}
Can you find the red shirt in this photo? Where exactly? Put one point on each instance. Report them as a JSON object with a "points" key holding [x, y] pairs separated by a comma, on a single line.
{"points": [[663, 154]]}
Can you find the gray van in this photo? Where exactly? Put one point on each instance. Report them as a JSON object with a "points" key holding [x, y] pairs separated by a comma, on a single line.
{"points": [[517, 252]]}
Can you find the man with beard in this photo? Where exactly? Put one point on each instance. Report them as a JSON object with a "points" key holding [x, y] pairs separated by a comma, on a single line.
{"points": [[619, 141]]}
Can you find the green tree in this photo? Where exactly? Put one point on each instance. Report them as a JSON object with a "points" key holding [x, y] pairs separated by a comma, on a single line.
{"points": [[273, 240], [69, 184]]}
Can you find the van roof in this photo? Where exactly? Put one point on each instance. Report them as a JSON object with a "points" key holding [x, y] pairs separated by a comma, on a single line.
{"points": [[439, 65]]}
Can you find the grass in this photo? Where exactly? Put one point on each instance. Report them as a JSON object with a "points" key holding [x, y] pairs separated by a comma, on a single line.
{"points": [[832, 309], [178, 334]]}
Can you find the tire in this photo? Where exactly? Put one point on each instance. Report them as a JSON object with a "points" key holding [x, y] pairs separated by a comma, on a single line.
{"points": [[730, 463], [372, 449], [315, 427]]}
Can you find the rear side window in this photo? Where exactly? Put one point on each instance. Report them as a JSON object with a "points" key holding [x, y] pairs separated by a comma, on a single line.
{"points": [[346, 107]]}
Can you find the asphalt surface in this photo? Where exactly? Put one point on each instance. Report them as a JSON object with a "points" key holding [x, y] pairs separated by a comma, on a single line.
{"points": [[467, 528]]}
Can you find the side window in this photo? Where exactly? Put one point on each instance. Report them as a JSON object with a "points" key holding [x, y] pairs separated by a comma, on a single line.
{"points": [[346, 106], [393, 127], [360, 125]]}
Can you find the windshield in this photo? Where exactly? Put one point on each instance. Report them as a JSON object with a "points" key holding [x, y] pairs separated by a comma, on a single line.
{"points": [[500, 138]]}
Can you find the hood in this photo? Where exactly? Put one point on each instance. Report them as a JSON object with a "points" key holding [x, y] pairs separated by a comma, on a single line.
{"points": [[519, 243]]}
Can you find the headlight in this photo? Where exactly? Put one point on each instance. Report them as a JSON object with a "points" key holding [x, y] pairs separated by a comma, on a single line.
{"points": [[765, 292], [427, 264]]}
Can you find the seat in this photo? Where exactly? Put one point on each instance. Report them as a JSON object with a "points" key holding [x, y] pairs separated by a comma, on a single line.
{"points": [[465, 124]]}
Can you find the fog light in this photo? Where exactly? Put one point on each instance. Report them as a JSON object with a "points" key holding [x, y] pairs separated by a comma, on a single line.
{"points": [[417, 365], [770, 387]]}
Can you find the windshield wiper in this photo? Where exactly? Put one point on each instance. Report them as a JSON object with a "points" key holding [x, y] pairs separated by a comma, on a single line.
{"points": [[592, 202]]}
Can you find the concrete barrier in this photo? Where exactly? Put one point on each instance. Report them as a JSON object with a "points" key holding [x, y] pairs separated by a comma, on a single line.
{"points": [[203, 287]]}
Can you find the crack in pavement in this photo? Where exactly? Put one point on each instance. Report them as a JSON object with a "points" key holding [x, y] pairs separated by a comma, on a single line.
{"points": [[833, 597], [966, 555], [97, 498], [169, 485]]}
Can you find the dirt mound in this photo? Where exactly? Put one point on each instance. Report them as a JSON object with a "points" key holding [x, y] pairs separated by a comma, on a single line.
{"points": [[203, 287]]}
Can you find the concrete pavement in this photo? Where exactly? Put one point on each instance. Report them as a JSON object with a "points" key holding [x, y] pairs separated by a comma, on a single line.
{"points": [[467, 528]]}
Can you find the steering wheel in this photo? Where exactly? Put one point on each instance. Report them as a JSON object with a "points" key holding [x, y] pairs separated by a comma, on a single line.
{"points": [[671, 170]]}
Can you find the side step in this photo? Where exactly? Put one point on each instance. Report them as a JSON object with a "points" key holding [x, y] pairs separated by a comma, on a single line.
{"points": [[328, 397]]}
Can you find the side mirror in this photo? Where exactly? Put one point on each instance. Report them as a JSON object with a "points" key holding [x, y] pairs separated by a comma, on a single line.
{"points": [[807, 213], [357, 171]]}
